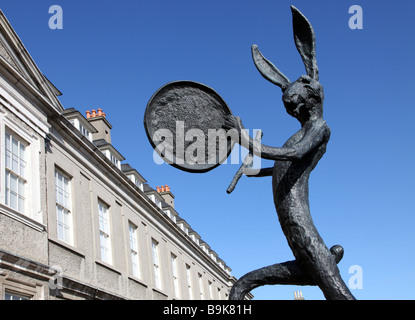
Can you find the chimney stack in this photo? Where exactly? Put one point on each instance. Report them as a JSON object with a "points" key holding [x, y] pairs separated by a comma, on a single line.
{"points": [[98, 119], [166, 194]]}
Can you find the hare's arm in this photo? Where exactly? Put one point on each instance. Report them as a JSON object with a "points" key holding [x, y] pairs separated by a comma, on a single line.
{"points": [[313, 136], [264, 172]]}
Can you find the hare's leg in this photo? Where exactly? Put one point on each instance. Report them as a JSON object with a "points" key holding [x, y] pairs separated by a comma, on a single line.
{"points": [[281, 273], [316, 260], [326, 275]]}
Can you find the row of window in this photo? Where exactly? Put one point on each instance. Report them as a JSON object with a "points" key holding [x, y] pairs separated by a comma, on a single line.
{"points": [[64, 217], [16, 180], [183, 225], [155, 199], [176, 279], [65, 233]]}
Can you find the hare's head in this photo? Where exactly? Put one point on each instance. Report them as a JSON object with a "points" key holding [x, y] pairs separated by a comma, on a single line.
{"points": [[304, 96]]}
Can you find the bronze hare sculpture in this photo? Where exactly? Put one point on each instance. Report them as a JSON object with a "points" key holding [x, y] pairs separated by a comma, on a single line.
{"points": [[314, 263]]}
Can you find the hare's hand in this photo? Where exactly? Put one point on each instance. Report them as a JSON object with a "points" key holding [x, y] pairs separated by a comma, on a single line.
{"points": [[232, 122], [241, 135]]}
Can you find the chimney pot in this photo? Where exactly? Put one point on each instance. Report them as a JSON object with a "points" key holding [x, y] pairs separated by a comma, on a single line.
{"points": [[166, 194], [102, 126], [103, 114], [88, 114]]}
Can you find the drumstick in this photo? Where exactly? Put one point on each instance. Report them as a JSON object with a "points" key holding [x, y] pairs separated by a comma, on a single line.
{"points": [[247, 163]]}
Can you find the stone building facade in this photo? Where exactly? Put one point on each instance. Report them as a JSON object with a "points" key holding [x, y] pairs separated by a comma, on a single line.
{"points": [[76, 220]]}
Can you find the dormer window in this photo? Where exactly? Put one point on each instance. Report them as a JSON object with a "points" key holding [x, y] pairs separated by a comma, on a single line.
{"points": [[110, 152], [195, 239], [155, 200], [114, 160], [80, 123], [205, 249], [85, 132], [133, 175], [184, 228], [137, 182], [170, 215], [81, 128]]}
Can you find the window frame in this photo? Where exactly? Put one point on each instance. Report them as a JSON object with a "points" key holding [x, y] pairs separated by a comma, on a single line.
{"points": [[134, 250], [18, 124], [104, 217], [17, 287], [66, 208], [21, 178], [175, 275], [189, 282], [210, 289], [156, 264], [201, 287], [17, 294]]}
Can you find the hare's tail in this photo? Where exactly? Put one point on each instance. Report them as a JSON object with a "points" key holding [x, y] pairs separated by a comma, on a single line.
{"points": [[289, 273]]}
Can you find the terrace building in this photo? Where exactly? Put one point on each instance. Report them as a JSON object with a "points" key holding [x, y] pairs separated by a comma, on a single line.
{"points": [[76, 220]]}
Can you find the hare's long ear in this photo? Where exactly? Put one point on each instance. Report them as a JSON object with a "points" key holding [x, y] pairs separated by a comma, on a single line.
{"points": [[268, 70], [305, 41]]}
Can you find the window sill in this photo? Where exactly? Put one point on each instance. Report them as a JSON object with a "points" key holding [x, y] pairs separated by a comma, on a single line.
{"points": [[161, 292], [67, 246], [107, 266], [11, 213], [137, 280]]}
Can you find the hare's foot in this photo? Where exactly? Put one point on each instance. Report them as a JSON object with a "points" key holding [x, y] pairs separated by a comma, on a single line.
{"points": [[288, 272]]}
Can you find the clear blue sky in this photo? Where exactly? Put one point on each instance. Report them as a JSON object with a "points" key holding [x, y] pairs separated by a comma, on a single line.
{"points": [[115, 54]]}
